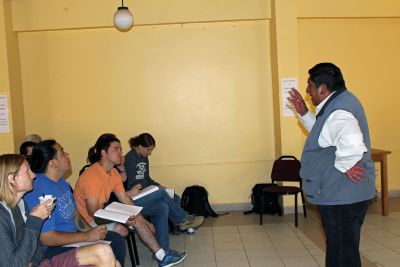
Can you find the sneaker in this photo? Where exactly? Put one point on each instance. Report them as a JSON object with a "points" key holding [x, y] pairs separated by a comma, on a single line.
{"points": [[172, 252], [175, 230], [172, 259], [191, 222]]}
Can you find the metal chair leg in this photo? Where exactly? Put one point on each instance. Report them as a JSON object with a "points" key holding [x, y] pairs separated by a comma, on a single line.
{"points": [[304, 204], [128, 240], [262, 209], [296, 219], [135, 250]]}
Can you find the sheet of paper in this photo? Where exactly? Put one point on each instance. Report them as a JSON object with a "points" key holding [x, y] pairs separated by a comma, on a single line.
{"points": [[148, 190], [287, 85], [4, 115], [171, 192], [87, 243], [112, 215], [124, 208]]}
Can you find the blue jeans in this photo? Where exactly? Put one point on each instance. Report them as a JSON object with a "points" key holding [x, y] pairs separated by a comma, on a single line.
{"points": [[160, 207], [342, 227], [117, 244]]}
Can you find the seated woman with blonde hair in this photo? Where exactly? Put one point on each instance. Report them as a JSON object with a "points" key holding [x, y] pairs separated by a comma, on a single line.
{"points": [[19, 244]]}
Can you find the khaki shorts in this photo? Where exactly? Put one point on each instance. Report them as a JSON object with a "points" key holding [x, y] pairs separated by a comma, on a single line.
{"points": [[66, 259]]}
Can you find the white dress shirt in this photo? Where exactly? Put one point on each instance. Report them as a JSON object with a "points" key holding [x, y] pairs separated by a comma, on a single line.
{"points": [[341, 130]]}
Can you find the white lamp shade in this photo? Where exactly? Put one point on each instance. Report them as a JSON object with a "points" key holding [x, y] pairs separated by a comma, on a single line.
{"points": [[123, 19]]}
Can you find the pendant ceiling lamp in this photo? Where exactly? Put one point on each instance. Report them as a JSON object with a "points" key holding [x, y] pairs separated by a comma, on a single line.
{"points": [[123, 19]]}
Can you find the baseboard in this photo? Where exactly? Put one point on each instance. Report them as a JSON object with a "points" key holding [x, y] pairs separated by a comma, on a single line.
{"points": [[247, 206], [286, 210], [232, 207], [290, 210], [392, 193]]}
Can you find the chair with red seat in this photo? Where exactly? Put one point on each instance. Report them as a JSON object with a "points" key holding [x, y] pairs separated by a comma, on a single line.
{"points": [[285, 169]]}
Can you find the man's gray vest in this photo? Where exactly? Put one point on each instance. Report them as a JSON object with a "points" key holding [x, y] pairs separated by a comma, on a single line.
{"points": [[323, 184]]}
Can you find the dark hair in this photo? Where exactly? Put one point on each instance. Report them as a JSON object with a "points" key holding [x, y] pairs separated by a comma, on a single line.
{"points": [[84, 168], [328, 74], [144, 139], [102, 143], [23, 149], [41, 155]]}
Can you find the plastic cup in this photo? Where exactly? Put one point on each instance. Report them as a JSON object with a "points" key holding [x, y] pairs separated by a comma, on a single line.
{"points": [[45, 198]]}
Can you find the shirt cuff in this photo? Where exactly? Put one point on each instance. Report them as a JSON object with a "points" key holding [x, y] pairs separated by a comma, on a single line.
{"points": [[307, 120]]}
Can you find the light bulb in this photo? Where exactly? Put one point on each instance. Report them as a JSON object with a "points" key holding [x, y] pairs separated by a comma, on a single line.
{"points": [[123, 19]]}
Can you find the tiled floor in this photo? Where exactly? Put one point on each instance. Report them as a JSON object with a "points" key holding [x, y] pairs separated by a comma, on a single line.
{"points": [[237, 240]]}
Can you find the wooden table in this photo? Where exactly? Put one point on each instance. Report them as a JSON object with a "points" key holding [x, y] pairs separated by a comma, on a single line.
{"points": [[380, 156]]}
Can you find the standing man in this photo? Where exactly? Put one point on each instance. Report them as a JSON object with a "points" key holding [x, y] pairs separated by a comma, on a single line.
{"points": [[336, 167]]}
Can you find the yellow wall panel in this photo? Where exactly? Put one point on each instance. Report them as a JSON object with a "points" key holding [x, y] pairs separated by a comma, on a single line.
{"points": [[6, 139], [203, 91], [226, 183]]}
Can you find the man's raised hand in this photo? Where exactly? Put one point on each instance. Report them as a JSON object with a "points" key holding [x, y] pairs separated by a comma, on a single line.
{"points": [[297, 101]]}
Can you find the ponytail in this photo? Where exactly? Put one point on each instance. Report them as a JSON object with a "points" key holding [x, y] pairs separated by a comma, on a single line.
{"points": [[41, 155], [144, 140], [102, 143]]}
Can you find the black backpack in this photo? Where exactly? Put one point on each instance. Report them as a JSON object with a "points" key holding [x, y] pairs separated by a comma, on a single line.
{"points": [[271, 201], [195, 201]]}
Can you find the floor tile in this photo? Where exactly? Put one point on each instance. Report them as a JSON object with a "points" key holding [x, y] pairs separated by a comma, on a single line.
{"points": [[227, 237], [206, 256], [238, 245], [389, 242], [256, 244], [236, 263], [367, 243], [230, 255], [251, 229], [262, 253], [225, 229], [302, 261], [320, 259], [275, 262], [200, 264], [292, 251], [379, 234], [389, 263], [376, 255], [254, 236], [314, 250]]}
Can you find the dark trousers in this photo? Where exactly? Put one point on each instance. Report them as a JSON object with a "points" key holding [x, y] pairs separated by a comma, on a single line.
{"points": [[117, 244], [342, 227]]}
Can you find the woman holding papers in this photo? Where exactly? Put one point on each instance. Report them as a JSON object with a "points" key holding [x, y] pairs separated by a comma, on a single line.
{"points": [[138, 177], [19, 244]]}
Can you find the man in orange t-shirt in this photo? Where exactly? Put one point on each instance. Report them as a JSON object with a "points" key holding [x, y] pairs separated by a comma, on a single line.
{"points": [[93, 190], [95, 183]]}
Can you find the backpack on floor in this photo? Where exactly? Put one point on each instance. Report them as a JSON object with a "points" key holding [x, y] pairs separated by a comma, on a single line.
{"points": [[195, 201], [271, 201]]}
